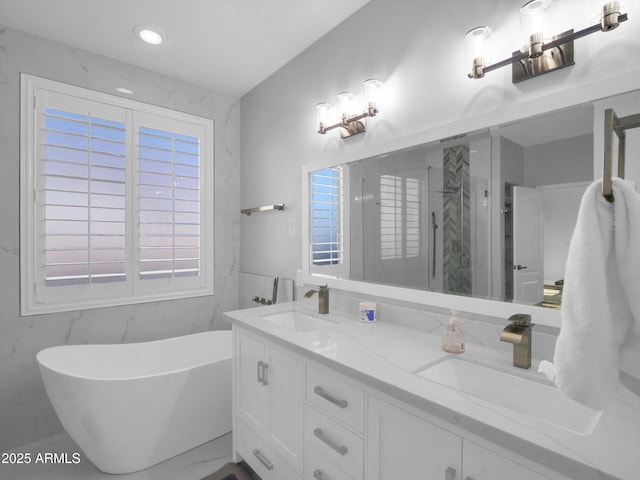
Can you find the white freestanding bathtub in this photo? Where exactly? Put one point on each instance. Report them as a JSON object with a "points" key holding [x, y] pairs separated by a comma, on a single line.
{"points": [[131, 406]]}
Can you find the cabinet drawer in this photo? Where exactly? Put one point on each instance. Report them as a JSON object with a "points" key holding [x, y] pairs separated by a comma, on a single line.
{"points": [[318, 467], [262, 459], [336, 397], [339, 444]]}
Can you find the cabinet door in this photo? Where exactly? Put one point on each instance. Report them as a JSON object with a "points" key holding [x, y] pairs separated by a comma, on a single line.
{"points": [[252, 396], [483, 464], [285, 375], [263, 460], [402, 445]]}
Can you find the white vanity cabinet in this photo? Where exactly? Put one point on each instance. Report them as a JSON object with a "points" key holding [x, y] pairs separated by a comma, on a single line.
{"points": [[295, 419], [483, 464], [269, 403], [403, 445]]}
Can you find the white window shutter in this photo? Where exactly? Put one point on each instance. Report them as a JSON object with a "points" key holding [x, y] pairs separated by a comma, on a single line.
{"points": [[80, 212], [116, 200], [169, 203]]}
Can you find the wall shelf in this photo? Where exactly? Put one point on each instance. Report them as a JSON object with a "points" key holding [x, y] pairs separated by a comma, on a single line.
{"points": [[249, 211]]}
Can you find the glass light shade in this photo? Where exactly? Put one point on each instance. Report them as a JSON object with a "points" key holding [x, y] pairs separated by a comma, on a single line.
{"points": [[322, 115], [535, 22], [477, 42], [345, 104], [370, 89]]}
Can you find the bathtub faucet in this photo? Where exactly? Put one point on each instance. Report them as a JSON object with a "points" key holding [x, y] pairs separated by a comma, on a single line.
{"points": [[323, 298]]}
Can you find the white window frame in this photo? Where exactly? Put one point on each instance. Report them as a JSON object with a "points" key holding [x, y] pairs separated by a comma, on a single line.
{"points": [[342, 266], [34, 297]]}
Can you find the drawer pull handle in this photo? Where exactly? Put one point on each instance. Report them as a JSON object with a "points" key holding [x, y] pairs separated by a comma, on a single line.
{"points": [[340, 402], [263, 460], [341, 449], [318, 475], [468, 478], [450, 473], [263, 369]]}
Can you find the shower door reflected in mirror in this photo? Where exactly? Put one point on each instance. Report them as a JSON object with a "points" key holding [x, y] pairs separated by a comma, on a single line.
{"points": [[423, 218]]}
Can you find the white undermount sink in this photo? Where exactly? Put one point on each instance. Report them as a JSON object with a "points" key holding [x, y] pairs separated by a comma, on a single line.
{"points": [[522, 396], [297, 321]]}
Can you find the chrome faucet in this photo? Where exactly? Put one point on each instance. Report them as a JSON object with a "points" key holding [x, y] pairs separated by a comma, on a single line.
{"points": [[518, 332], [323, 298]]}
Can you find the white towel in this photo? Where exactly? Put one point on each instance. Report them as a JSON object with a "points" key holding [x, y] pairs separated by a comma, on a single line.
{"points": [[626, 212], [601, 290]]}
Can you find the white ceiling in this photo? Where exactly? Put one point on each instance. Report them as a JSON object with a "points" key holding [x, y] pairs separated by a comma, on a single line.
{"points": [[229, 46]]}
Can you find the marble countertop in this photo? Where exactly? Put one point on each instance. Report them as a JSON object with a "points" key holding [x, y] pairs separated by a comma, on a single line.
{"points": [[385, 356]]}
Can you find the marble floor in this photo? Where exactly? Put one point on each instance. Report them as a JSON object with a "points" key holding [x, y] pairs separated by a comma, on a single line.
{"points": [[192, 465]]}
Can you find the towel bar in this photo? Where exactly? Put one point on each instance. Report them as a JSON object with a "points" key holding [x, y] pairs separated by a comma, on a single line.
{"points": [[249, 211], [613, 124]]}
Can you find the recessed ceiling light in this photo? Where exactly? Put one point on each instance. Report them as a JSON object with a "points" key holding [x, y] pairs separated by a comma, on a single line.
{"points": [[126, 91], [149, 34]]}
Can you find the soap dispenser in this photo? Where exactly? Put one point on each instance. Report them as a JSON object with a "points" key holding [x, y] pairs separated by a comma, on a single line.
{"points": [[452, 337]]}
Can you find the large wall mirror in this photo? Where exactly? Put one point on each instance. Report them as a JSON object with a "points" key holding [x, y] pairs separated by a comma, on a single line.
{"points": [[485, 214]]}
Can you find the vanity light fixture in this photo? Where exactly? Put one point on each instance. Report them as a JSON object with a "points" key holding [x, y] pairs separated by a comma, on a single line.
{"points": [[541, 53], [351, 121], [149, 34]]}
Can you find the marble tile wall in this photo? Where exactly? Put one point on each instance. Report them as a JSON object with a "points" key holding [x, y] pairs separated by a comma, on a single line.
{"points": [[25, 412], [456, 221]]}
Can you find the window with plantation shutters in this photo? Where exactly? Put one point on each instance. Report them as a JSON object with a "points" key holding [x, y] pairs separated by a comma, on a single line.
{"points": [[328, 220], [117, 203]]}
